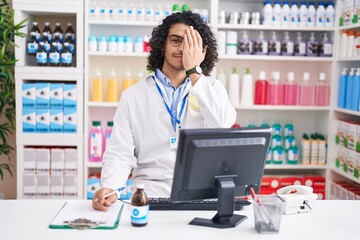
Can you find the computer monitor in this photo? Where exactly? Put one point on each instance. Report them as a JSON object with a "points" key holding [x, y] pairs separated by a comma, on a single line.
{"points": [[219, 163]]}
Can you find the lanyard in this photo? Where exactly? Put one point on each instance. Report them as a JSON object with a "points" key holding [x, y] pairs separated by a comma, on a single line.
{"points": [[168, 108]]}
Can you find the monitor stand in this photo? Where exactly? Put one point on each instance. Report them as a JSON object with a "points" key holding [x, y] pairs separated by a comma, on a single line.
{"points": [[225, 217]]}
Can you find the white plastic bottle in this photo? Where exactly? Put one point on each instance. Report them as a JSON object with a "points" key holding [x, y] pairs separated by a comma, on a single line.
{"points": [[303, 14], [350, 44], [299, 46], [343, 43], [320, 15], [312, 46], [244, 45], [261, 46], [159, 13], [277, 14], [113, 11], [140, 13], [294, 14], [247, 91], [122, 12], [167, 10], [287, 45], [234, 88], [267, 13], [330, 15], [149, 13], [104, 11], [131, 13], [311, 15], [222, 77], [94, 11], [285, 14]]}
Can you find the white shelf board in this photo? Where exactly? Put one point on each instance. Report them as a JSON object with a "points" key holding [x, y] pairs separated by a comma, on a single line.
{"points": [[124, 23], [351, 26], [347, 59], [347, 111], [294, 167], [49, 70], [275, 58], [117, 54], [282, 108], [274, 28], [94, 164], [49, 139], [103, 104], [344, 174]]}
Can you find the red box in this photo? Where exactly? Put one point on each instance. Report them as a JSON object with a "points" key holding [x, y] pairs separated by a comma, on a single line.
{"points": [[316, 182], [291, 180], [270, 185]]}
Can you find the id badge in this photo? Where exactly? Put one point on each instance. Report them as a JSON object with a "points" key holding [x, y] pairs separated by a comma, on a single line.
{"points": [[173, 144]]}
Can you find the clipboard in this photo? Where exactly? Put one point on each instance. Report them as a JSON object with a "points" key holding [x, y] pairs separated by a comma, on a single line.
{"points": [[79, 214]]}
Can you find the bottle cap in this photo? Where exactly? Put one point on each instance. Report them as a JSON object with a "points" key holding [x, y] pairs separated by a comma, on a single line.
{"points": [[139, 185], [322, 76], [92, 38], [290, 76], [306, 76], [176, 8], [185, 8], [262, 75], [110, 123]]}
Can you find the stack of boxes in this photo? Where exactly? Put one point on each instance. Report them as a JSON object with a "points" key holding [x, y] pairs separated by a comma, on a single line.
{"points": [[349, 12], [50, 173], [348, 147], [49, 107]]}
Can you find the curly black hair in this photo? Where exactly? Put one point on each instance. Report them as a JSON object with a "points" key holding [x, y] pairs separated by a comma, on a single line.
{"points": [[160, 33]]}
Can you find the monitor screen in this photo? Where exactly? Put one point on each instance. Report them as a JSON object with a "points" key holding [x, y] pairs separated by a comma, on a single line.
{"points": [[219, 163]]}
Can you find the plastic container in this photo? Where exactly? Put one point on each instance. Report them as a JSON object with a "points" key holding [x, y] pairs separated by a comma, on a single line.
{"points": [[290, 90], [294, 14], [303, 15], [285, 14], [112, 87], [95, 142], [320, 15], [306, 91], [349, 88], [93, 45], [139, 207], [311, 15], [356, 92], [276, 90], [108, 132], [274, 45], [98, 87], [322, 91], [277, 14], [244, 45], [350, 44], [325, 47], [261, 46], [342, 88], [267, 13], [330, 15], [102, 44], [247, 91], [234, 88], [343, 44], [312, 46], [287, 45], [222, 77], [268, 213], [127, 81], [261, 89]]}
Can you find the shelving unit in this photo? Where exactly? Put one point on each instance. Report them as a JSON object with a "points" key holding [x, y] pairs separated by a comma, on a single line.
{"points": [[306, 119], [27, 72]]}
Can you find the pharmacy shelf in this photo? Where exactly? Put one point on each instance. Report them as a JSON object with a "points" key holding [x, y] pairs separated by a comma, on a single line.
{"points": [[295, 167], [103, 104], [282, 108], [273, 28], [49, 139], [50, 73], [124, 23], [344, 174], [117, 54], [351, 26], [350, 112], [275, 58], [94, 164], [347, 59]]}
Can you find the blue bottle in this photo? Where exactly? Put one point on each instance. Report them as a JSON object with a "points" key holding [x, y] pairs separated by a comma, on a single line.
{"points": [[349, 85], [356, 91], [342, 88]]}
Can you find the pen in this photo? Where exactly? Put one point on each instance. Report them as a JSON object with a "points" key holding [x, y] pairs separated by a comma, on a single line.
{"points": [[111, 193]]}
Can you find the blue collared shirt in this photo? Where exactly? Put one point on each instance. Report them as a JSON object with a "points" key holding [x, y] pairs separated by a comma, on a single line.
{"points": [[173, 94]]}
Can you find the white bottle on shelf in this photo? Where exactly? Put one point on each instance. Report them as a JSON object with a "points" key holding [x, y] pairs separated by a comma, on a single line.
{"points": [[311, 15], [277, 14], [285, 14], [140, 13], [320, 15], [122, 12], [267, 13], [330, 15], [247, 91], [343, 44], [303, 15], [104, 11], [294, 14], [287, 45], [113, 11], [350, 44], [149, 13], [131, 13], [94, 11], [159, 13], [234, 88], [222, 77]]}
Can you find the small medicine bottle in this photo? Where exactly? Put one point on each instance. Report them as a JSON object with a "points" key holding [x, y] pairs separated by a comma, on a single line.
{"points": [[139, 207]]}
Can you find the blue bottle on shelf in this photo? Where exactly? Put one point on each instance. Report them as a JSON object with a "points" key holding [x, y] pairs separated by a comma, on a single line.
{"points": [[349, 85], [356, 91], [342, 88]]}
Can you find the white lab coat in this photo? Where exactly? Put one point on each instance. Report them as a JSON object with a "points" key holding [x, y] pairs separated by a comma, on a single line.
{"points": [[140, 138]]}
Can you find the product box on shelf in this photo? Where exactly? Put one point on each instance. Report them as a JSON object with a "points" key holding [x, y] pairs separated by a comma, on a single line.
{"points": [[28, 95], [350, 135], [56, 95], [42, 120], [291, 180], [56, 120], [93, 184], [357, 165], [70, 95], [29, 185], [29, 120], [270, 184], [70, 120], [357, 138], [43, 185], [42, 95], [346, 12], [70, 185], [57, 159], [29, 163], [340, 132], [56, 185], [43, 159]]}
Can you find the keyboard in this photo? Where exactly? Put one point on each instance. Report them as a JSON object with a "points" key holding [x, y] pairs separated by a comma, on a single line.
{"points": [[197, 205]]}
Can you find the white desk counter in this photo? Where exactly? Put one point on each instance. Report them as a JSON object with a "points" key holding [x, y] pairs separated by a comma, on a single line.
{"points": [[29, 219]]}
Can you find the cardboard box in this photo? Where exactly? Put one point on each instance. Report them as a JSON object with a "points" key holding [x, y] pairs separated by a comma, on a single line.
{"points": [[29, 160], [346, 12], [29, 120], [29, 185], [70, 185], [28, 95], [350, 137], [56, 120], [70, 96], [57, 159], [56, 95], [42, 95], [42, 120], [70, 159], [270, 184], [43, 185], [43, 159], [57, 186], [70, 120]]}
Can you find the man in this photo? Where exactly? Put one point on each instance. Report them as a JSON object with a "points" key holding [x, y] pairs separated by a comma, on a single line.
{"points": [[150, 113]]}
